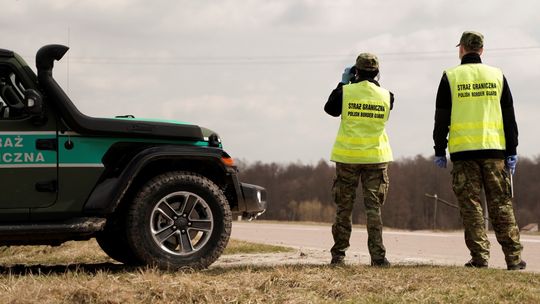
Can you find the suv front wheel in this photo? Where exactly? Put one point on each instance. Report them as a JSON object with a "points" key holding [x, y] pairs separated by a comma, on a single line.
{"points": [[179, 219]]}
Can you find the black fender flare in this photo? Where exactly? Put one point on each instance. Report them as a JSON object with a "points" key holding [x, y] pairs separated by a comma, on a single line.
{"points": [[110, 191]]}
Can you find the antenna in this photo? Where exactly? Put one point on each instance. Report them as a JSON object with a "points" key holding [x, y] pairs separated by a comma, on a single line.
{"points": [[67, 72]]}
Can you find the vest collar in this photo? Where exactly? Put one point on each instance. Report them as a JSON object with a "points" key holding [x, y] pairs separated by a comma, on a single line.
{"points": [[368, 79]]}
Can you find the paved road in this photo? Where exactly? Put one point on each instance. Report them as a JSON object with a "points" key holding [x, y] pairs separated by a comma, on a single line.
{"points": [[425, 247]]}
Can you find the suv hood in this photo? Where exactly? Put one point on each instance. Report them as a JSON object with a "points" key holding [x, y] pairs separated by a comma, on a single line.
{"points": [[91, 126]]}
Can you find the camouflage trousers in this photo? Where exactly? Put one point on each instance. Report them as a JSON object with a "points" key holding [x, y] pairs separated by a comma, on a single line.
{"points": [[374, 178], [468, 179]]}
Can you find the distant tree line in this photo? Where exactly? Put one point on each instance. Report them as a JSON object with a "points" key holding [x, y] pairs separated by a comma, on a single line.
{"points": [[301, 192]]}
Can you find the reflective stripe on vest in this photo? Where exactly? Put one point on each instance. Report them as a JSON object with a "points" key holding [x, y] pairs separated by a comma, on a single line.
{"points": [[476, 122], [361, 137]]}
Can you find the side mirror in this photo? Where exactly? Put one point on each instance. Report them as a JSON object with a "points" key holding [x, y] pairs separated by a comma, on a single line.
{"points": [[33, 102], [11, 97]]}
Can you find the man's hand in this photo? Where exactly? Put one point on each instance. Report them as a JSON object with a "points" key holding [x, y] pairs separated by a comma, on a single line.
{"points": [[440, 161], [511, 162], [346, 76]]}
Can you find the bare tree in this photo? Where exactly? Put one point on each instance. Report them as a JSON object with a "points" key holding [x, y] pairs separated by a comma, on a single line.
{"points": [[302, 192]]}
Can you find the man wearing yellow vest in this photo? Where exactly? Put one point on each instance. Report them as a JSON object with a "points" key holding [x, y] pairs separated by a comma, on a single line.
{"points": [[361, 151], [474, 108]]}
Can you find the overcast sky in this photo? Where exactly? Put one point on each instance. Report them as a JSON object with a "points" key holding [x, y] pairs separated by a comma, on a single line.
{"points": [[259, 72]]}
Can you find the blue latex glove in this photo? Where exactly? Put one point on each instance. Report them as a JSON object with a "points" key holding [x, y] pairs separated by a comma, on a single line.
{"points": [[440, 161], [346, 76], [511, 162]]}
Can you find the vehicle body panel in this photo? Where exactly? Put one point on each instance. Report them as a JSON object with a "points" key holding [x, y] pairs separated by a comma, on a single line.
{"points": [[68, 173]]}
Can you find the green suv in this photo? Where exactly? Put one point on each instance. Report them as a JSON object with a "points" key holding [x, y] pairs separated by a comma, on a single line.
{"points": [[151, 192]]}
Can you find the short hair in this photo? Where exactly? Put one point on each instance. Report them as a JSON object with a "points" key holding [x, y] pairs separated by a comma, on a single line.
{"points": [[367, 74]]}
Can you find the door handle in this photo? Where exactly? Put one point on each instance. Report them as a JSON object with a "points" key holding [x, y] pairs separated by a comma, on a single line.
{"points": [[50, 144], [50, 186]]}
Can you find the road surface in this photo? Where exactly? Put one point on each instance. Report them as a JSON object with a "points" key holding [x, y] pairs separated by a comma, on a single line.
{"points": [[402, 247]]}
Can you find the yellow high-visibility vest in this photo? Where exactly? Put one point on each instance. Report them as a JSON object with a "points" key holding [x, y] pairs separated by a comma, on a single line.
{"points": [[362, 138], [476, 120]]}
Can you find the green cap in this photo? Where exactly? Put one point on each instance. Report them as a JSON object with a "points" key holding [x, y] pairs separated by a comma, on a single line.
{"points": [[472, 40], [367, 62]]}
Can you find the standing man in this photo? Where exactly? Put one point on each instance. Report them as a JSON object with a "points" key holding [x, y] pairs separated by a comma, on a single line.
{"points": [[361, 151], [474, 108]]}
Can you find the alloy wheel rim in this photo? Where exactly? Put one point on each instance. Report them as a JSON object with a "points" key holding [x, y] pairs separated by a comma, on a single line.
{"points": [[181, 223]]}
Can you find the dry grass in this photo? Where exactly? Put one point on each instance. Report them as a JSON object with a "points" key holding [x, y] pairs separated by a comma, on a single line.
{"points": [[243, 247], [80, 273], [89, 252]]}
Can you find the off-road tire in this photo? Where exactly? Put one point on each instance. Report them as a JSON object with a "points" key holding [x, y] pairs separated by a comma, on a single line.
{"points": [[113, 242], [164, 235]]}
